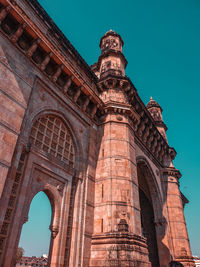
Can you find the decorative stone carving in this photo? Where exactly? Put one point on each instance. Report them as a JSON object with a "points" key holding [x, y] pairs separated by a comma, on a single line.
{"points": [[54, 231], [94, 110], [60, 188], [68, 84], [46, 61], [86, 103], [18, 33], [57, 73], [50, 134], [112, 252], [76, 96], [33, 47], [123, 226]]}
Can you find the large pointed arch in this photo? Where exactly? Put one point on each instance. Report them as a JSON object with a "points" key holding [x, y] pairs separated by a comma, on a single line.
{"points": [[153, 187], [151, 199]]}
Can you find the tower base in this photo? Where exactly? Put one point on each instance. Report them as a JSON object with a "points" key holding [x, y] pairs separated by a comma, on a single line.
{"points": [[186, 261], [119, 250]]}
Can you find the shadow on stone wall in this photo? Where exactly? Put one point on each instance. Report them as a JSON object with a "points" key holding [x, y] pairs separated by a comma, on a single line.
{"points": [[149, 186], [175, 264]]}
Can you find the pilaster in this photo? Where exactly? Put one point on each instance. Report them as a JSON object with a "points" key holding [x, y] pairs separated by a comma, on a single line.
{"points": [[181, 248]]}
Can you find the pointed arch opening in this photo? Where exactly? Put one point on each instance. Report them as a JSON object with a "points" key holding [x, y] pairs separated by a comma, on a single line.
{"points": [[35, 237], [147, 206]]}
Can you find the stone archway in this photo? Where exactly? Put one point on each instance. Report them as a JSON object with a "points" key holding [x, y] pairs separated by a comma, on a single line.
{"points": [[51, 138], [49, 165], [147, 217], [153, 221], [37, 226], [41, 182]]}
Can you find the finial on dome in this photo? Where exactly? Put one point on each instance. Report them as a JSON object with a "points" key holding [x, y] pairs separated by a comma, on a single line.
{"points": [[110, 31], [151, 98]]}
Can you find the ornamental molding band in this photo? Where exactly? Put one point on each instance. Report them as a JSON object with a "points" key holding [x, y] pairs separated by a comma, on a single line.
{"points": [[83, 136]]}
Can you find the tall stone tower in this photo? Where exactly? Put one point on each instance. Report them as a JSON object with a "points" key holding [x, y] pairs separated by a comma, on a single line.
{"points": [[117, 238]]}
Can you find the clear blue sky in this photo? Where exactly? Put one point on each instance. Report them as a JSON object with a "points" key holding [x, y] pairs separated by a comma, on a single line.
{"points": [[162, 46]]}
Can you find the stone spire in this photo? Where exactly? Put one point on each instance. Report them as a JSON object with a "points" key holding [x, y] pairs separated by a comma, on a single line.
{"points": [[111, 60], [156, 112]]}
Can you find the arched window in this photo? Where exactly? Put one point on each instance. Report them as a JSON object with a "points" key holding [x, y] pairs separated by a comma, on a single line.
{"points": [[50, 134]]}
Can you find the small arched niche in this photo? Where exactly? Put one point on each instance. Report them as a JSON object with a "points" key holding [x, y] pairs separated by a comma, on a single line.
{"points": [[147, 197], [35, 237]]}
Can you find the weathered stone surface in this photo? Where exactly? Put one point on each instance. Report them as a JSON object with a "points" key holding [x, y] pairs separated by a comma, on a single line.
{"points": [[90, 144]]}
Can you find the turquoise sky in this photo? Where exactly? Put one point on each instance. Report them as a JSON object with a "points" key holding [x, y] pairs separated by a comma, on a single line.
{"points": [[162, 46]]}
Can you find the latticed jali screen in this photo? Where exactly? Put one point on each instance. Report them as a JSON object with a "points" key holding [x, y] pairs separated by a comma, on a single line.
{"points": [[51, 135]]}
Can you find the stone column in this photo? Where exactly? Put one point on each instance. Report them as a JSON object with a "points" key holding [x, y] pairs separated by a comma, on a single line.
{"points": [[68, 84], [15, 37], [33, 48], [180, 241], [117, 239], [59, 228]]}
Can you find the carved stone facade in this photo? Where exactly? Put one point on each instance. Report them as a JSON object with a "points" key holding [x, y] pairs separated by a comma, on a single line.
{"points": [[83, 136]]}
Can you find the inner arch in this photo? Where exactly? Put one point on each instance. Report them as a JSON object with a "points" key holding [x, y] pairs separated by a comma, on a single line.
{"points": [[147, 213], [35, 235]]}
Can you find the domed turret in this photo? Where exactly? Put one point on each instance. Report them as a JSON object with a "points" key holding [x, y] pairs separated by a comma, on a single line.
{"points": [[111, 40], [156, 112], [111, 60], [153, 104]]}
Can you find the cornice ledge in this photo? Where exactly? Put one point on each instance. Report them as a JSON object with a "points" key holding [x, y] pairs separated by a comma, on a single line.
{"points": [[185, 258], [171, 171], [111, 52], [122, 108], [62, 61], [119, 238]]}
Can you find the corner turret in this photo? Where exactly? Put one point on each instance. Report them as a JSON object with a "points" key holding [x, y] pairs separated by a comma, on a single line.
{"points": [[156, 112], [111, 60]]}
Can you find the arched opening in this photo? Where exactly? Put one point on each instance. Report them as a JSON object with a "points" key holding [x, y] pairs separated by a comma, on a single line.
{"points": [[51, 143], [147, 213], [36, 235]]}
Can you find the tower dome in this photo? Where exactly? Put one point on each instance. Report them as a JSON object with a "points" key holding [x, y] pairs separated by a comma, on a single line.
{"points": [[111, 40], [153, 104]]}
